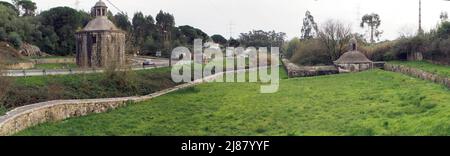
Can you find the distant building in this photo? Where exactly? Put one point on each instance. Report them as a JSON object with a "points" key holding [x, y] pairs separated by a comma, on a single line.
{"points": [[353, 61], [100, 43]]}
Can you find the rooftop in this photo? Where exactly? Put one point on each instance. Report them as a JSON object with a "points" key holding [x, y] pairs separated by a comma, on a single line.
{"points": [[353, 57], [100, 23]]}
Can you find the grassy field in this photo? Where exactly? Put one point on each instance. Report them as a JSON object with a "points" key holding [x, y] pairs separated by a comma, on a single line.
{"points": [[425, 66], [56, 66], [368, 103]]}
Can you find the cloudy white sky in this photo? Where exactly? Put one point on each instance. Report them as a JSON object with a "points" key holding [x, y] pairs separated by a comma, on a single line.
{"points": [[215, 16]]}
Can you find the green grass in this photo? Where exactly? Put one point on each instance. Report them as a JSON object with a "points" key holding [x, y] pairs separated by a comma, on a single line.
{"points": [[56, 66], [368, 103], [2, 110], [425, 66]]}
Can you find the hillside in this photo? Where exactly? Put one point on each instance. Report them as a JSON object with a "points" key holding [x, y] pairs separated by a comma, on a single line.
{"points": [[9, 55]]}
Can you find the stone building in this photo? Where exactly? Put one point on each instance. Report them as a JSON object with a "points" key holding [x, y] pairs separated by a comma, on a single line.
{"points": [[100, 43], [353, 61]]}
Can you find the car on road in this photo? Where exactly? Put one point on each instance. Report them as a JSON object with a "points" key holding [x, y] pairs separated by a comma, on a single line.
{"points": [[148, 62]]}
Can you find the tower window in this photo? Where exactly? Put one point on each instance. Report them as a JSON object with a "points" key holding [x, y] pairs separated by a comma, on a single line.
{"points": [[94, 39]]}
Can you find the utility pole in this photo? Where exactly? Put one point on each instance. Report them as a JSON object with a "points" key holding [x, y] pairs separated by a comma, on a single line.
{"points": [[230, 29], [420, 17], [77, 4]]}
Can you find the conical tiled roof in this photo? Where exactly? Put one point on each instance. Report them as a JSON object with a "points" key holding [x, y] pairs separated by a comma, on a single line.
{"points": [[100, 4], [353, 57], [100, 23]]}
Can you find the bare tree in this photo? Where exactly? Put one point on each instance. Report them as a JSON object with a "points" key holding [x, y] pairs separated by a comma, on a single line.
{"points": [[335, 35]]}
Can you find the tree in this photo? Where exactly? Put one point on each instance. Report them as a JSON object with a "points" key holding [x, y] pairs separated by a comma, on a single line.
{"points": [[192, 33], [443, 16], [309, 29], [443, 30], [10, 6], [334, 35], [373, 22], [7, 16], [28, 7], [233, 42], [165, 21], [219, 39], [260, 38], [64, 21], [142, 28], [121, 20]]}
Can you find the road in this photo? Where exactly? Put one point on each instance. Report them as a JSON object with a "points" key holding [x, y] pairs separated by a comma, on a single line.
{"points": [[136, 65]]}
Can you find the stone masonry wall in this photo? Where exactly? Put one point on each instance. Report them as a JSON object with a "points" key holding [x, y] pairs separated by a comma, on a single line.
{"points": [[295, 71], [21, 66], [418, 73]]}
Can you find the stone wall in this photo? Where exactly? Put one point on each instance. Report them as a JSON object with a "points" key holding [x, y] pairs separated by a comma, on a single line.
{"points": [[418, 73], [21, 66], [100, 48], [32, 115], [53, 60], [307, 71]]}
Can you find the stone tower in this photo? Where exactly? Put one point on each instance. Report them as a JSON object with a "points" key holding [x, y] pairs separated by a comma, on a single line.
{"points": [[100, 43]]}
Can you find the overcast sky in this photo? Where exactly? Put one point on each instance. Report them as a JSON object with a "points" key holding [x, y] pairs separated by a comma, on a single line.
{"points": [[215, 16]]}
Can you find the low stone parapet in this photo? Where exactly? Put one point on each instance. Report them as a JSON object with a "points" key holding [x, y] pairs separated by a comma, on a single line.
{"points": [[418, 73], [294, 70]]}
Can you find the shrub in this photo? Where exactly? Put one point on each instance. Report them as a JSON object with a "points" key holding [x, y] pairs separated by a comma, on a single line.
{"points": [[309, 52], [119, 81], [379, 51], [443, 31], [14, 38], [3, 34]]}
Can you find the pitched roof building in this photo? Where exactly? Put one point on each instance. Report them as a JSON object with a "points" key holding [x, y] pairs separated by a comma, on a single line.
{"points": [[353, 60]]}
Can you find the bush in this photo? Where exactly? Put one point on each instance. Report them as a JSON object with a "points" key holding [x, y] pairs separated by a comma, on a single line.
{"points": [[119, 81], [3, 35], [6, 83], [308, 53], [14, 38], [378, 52]]}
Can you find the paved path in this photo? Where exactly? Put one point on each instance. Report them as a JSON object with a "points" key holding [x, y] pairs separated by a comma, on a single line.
{"points": [[137, 65]]}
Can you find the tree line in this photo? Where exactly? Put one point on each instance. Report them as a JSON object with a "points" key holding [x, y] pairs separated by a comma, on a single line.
{"points": [[53, 30]]}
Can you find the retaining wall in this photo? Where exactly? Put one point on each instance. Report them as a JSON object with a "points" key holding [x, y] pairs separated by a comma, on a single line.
{"points": [[418, 73], [54, 60], [20, 66]]}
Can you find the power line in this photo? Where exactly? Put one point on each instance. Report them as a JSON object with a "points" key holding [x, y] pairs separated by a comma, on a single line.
{"points": [[115, 7]]}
